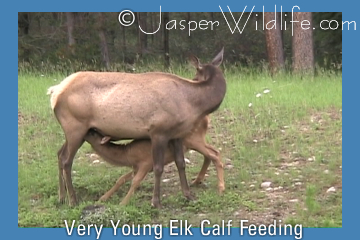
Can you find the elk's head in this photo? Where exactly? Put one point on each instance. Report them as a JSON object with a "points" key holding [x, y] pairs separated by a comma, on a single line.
{"points": [[204, 71]]}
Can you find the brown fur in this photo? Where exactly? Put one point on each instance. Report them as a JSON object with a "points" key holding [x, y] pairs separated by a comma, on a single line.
{"points": [[137, 155], [158, 106]]}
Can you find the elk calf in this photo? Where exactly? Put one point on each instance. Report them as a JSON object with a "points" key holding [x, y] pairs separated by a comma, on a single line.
{"points": [[137, 155]]}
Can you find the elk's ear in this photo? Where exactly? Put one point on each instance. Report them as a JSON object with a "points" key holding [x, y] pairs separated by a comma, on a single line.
{"points": [[219, 58], [195, 61]]}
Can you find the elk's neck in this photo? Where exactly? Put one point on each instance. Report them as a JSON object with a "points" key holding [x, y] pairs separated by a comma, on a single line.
{"points": [[208, 95]]}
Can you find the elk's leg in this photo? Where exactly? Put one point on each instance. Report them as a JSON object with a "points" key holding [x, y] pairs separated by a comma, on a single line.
{"points": [[201, 175], [158, 146], [74, 140], [209, 153], [62, 187], [180, 164], [139, 176], [219, 167], [123, 179]]}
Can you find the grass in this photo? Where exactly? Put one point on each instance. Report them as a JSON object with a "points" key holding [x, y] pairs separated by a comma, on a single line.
{"points": [[290, 136]]}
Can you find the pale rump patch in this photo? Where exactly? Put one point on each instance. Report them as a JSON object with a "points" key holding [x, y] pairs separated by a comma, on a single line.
{"points": [[56, 90]]}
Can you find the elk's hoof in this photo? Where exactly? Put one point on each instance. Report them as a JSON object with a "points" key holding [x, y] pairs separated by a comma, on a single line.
{"points": [[196, 183], [199, 184], [190, 197], [221, 190], [61, 200], [103, 198], [73, 202], [156, 204]]}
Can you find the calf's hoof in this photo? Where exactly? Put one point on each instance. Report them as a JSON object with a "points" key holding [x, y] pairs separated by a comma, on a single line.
{"points": [[103, 198], [196, 182], [199, 184], [221, 190]]}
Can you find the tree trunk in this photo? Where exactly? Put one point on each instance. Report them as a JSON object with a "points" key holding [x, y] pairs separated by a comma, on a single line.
{"points": [[274, 44], [166, 40], [70, 30], [123, 42], [159, 35], [142, 37], [303, 44], [152, 27], [24, 25], [138, 34], [188, 39], [144, 25], [213, 20], [103, 42]]}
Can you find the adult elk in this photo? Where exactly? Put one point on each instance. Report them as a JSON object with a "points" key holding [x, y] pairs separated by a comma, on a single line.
{"points": [[158, 106]]}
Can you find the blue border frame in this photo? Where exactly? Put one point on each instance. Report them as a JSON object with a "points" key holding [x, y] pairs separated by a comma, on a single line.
{"points": [[9, 64]]}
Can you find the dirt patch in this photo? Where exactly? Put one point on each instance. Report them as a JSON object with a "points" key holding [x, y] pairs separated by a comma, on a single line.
{"points": [[26, 119], [21, 118]]}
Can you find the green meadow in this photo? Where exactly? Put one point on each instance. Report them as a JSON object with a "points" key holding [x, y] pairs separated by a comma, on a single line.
{"points": [[284, 130]]}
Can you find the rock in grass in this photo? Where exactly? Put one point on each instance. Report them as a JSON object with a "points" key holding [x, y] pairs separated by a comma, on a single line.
{"points": [[265, 184], [94, 156], [311, 159], [229, 166], [92, 213], [331, 190], [100, 214]]}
